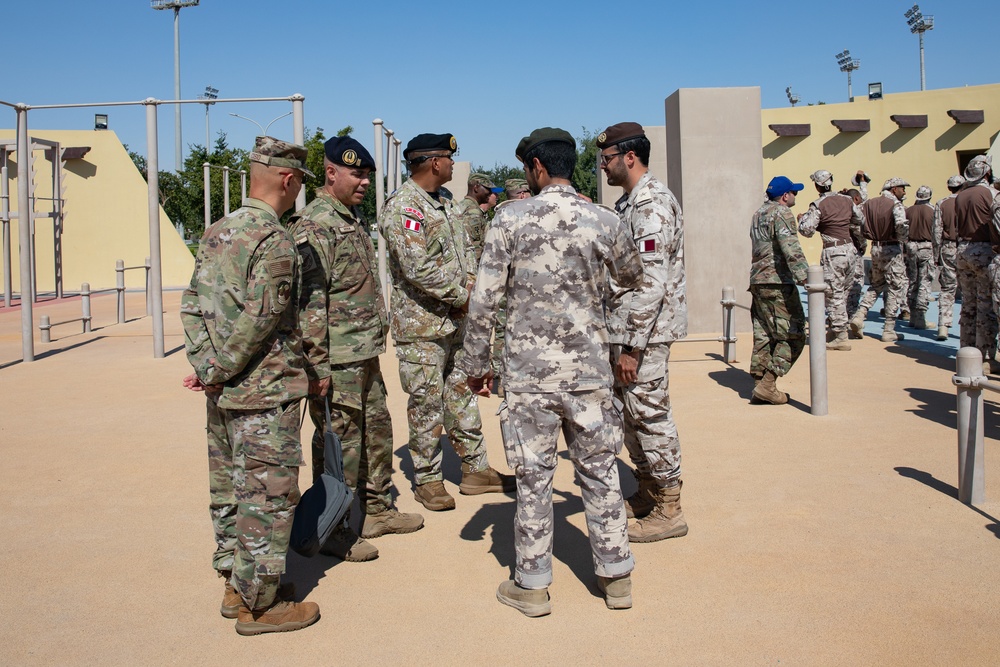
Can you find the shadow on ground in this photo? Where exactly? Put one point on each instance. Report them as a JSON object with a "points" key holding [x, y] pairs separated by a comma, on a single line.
{"points": [[948, 490], [51, 352]]}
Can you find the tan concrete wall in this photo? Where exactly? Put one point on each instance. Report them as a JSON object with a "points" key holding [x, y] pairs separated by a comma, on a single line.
{"points": [[106, 217], [459, 183]]}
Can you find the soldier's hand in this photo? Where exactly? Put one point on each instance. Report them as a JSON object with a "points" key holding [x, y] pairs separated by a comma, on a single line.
{"points": [[318, 388], [480, 386], [193, 383], [628, 366]]}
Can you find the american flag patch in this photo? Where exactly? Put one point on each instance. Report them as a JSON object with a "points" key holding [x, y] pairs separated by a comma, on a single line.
{"points": [[414, 212], [647, 245], [411, 224]]}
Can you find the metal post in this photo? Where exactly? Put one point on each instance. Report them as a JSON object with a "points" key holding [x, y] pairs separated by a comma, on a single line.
{"points": [[387, 172], [120, 286], [728, 326], [850, 93], [299, 133], [399, 165], [243, 186], [24, 233], [57, 219], [379, 198], [923, 82], [153, 180], [208, 194], [969, 407], [45, 328], [149, 302], [225, 190], [85, 302], [178, 143], [816, 287], [8, 289], [208, 149]]}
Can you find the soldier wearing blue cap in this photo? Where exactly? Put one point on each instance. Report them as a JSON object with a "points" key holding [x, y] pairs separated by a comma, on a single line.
{"points": [[777, 266], [340, 282]]}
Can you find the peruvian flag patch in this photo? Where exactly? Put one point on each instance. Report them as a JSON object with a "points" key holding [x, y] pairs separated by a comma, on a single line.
{"points": [[414, 212], [647, 245], [411, 224]]}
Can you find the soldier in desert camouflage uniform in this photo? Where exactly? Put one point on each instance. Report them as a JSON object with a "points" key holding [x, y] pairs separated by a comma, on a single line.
{"points": [[644, 321], [339, 278], [550, 254], [472, 216], [777, 266], [945, 252], [243, 340], [920, 256], [886, 226], [432, 278]]}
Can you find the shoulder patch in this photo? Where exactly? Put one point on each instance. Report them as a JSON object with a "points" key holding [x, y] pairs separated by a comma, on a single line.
{"points": [[414, 213], [281, 267], [647, 245], [411, 225]]}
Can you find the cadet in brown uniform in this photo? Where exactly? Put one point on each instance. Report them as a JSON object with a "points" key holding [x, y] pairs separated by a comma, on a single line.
{"points": [[920, 257], [945, 249]]}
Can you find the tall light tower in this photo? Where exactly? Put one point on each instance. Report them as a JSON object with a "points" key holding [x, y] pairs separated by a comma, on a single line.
{"points": [[209, 95], [793, 99], [919, 24], [848, 64], [176, 5]]}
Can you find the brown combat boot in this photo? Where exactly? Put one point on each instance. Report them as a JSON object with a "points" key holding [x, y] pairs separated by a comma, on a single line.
{"points": [[641, 503], [390, 521], [485, 481], [617, 591], [767, 391], [857, 323], [666, 519], [282, 616], [345, 544], [889, 331], [434, 496], [232, 601], [839, 342], [528, 601]]}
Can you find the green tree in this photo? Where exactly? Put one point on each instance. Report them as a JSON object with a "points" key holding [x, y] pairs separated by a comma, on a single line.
{"points": [[585, 174]]}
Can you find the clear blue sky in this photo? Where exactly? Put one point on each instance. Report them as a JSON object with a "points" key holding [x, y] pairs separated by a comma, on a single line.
{"points": [[488, 73]]}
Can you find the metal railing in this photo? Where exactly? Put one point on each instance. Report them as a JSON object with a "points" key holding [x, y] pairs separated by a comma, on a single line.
{"points": [[971, 382]]}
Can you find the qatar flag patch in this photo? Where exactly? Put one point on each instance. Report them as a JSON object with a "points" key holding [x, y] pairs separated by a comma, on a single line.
{"points": [[647, 245], [412, 225], [414, 212]]}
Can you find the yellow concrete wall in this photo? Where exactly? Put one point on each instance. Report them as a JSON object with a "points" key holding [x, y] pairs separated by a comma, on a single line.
{"points": [[926, 156], [106, 217]]}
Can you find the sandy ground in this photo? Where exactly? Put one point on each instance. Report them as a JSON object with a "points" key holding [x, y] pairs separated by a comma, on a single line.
{"points": [[832, 540]]}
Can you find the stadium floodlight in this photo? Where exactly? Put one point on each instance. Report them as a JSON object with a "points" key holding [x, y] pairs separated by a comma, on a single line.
{"points": [[792, 97], [176, 5], [209, 95], [848, 64], [919, 24]]}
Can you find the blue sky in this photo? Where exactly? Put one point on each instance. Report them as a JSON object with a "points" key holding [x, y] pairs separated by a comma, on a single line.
{"points": [[487, 73]]}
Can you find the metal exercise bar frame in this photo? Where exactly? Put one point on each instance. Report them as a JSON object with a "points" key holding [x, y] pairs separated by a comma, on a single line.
{"points": [[970, 383], [225, 190]]}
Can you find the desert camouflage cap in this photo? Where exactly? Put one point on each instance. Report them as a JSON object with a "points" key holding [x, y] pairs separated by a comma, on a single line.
{"points": [[977, 168], [276, 153], [515, 185], [956, 181], [540, 136], [895, 182], [618, 133], [479, 178], [924, 192], [822, 178]]}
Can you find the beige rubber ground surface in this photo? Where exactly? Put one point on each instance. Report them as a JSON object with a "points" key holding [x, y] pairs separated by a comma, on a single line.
{"points": [[814, 541]]}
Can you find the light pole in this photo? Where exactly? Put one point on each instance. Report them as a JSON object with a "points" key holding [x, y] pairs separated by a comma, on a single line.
{"points": [[848, 64], [176, 5], [263, 129], [209, 94], [919, 24], [793, 99]]}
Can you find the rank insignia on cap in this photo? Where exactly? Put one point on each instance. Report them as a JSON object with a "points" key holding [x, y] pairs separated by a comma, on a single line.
{"points": [[350, 157], [602, 137], [411, 224], [414, 212], [647, 245], [453, 143]]}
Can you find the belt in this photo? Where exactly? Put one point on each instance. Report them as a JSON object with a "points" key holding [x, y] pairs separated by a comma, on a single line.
{"points": [[884, 243], [834, 244]]}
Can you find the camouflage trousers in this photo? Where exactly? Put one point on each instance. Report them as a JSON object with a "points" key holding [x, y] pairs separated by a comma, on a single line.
{"points": [[650, 432], [253, 476], [778, 328], [839, 264], [440, 402], [977, 322], [889, 276], [360, 417], [949, 282], [857, 286], [920, 272], [591, 426]]}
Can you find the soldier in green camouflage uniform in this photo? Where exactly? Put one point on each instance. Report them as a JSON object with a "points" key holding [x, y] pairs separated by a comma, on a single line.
{"points": [[340, 279], [551, 255], [432, 277], [469, 212], [777, 266], [243, 340], [643, 323]]}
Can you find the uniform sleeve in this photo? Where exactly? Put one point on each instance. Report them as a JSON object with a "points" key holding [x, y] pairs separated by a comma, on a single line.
{"points": [[809, 221], [625, 264], [995, 221], [937, 230], [788, 242], [652, 222], [270, 286], [863, 189], [419, 250], [489, 291], [857, 229], [197, 342], [902, 225], [314, 254]]}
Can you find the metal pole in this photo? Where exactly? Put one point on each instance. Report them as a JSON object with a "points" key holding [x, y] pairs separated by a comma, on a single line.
{"points": [[207, 133], [149, 302], [243, 186], [208, 194], [120, 287], [922, 81], [8, 289], [178, 143], [45, 328], [155, 273], [24, 233], [387, 172], [969, 407], [850, 94], [399, 165], [728, 328], [225, 190], [379, 198], [299, 133], [57, 219], [85, 299], [816, 287]]}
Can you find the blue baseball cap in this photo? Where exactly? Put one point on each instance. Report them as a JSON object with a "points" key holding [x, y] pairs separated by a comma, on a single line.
{"points": [[779, 185]]}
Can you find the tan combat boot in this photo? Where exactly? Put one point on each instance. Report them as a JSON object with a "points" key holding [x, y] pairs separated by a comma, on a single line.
{"points": [[839, 342], [345, 544], [617, 591], [528, 601], [434, 496], [232, 600], [641, 503], [918, 319], [666, 519], [391, 521], [767, 391], [485, 481], [889, 331], [282, 616], [857, 323], [942, 333]]}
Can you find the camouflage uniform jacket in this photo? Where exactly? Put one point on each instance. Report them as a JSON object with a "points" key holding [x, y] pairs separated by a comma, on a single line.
{"points": [[475, 223], [551, 256], [430, 268], [240, 310], [340, 279], [776, 257], [655, 311], [944, 222], [836, 217]]}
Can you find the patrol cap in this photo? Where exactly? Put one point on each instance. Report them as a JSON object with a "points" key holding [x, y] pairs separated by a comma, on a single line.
{"points": [[276, 153], [924, 192], [618, 133], [479, 178], [515, 185], [895, 182], [542, 135], [864, 177], [780, 185], [822, 178], [430, 143], [977, 168], [956, 181], [348, 152]]}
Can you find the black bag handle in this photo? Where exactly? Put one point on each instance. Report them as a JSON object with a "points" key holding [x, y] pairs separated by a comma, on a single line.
{"points": [[334, 463]]}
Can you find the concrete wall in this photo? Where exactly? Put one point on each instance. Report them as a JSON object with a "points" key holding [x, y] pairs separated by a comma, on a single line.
{"points": [[106, 217], [459, 183]]}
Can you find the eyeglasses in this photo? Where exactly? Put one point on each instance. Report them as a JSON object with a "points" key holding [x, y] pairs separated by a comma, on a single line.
{"points": [[606, 158]]}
